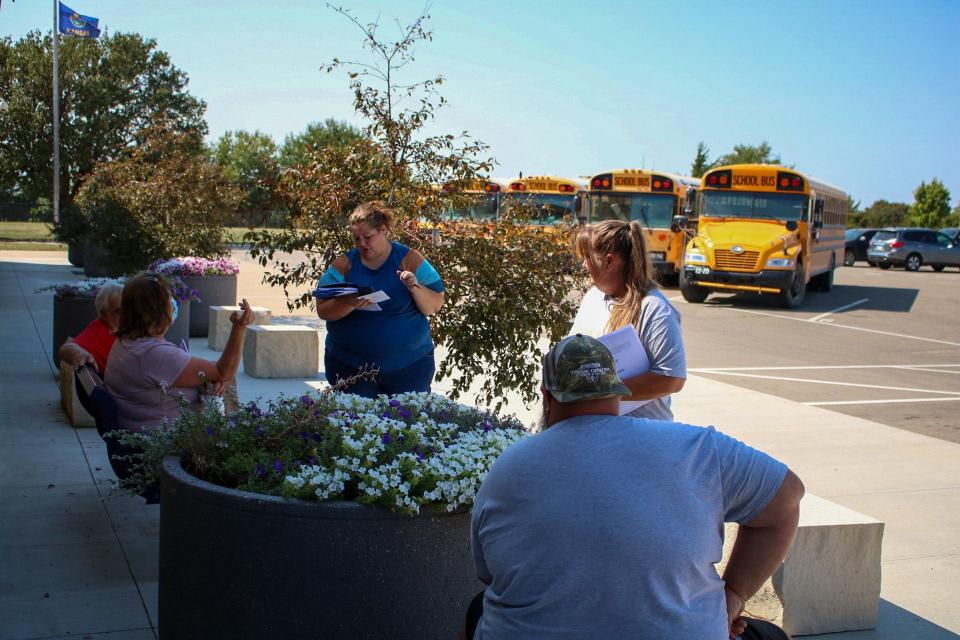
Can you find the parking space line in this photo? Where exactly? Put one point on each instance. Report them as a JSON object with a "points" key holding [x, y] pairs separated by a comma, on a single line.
{"points": [[829, 382], [844, 326], [827, 366], [837, 310], [912, 368], [834, 403]]}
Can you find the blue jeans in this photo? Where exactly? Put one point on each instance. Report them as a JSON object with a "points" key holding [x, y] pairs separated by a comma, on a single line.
{"points": [[413, 377]]}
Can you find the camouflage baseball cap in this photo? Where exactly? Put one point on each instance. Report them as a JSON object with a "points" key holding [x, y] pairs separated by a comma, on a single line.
{"points": [[581, 368]]}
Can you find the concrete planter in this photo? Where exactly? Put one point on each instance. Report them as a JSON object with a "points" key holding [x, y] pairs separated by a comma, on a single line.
{"points": [[214, 291], [235, 564], [71, 314], [75, 254]]}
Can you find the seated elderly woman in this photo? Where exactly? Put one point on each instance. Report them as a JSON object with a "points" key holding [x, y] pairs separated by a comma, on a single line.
{"points": [[93, 344], [146, 375]]}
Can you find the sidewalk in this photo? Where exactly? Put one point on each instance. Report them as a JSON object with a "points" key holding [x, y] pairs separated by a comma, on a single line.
{"points": [[79, 559]]}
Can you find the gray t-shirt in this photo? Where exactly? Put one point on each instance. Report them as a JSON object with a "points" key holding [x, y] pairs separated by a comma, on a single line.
{"points": [[609, 527], [137, 370], [659, 329]]}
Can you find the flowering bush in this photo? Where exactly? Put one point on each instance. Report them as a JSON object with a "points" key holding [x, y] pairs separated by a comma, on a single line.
{"points": [[90, 287], [400, 452], [193, 266]]}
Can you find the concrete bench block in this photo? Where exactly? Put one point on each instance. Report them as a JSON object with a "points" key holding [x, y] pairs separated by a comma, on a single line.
{"points": [[219, 327], [830, 579], [77, 415], [281, 351]]}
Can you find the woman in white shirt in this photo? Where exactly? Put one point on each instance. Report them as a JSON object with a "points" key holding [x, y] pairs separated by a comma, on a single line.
{"points": [[624, 293]]}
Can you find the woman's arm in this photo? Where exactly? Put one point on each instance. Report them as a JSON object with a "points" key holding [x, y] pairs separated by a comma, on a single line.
{"points": [[337, 308], [75, 355], [650, 385], [226, 366], [427, 300]]}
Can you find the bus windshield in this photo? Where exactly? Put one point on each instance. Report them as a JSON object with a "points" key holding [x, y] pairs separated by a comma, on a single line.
{"points": [[481, 206], [652, 211], [747, 204], [550, 208]]}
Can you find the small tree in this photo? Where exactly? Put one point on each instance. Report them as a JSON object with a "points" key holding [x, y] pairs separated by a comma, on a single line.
{"points": [[882, 214], [249, 160], [701, 163], [162, 198], [330, 133], [505, 286], [749, 154], [931, 205]]}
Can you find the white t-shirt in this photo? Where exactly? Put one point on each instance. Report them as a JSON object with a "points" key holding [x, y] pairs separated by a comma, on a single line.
{"points": [[659, 331]]}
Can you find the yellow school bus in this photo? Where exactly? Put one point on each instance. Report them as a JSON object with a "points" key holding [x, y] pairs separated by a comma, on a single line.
{"points": [[481, 200], [652, 198], [553, 198], [765, 229]]}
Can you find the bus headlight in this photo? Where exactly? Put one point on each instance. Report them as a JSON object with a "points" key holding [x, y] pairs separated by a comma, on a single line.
{"points": [[694, 258], [780, 263]]}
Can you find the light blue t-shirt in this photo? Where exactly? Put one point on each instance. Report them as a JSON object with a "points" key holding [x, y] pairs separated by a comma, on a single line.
{"points": [[394, 337], [609, 527]]}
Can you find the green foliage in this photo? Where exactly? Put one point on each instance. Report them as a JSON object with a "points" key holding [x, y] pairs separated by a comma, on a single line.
{"points": [[853, 206], [931, 205], [881, 214], [749, 154], [160, 198], [330, 133], [111, 89], [505, 283], [701, 163], [249, 160]]}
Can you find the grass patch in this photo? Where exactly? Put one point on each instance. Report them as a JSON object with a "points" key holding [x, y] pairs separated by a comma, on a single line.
{"points": [[36, 231], [7, 245], [40, 232]]}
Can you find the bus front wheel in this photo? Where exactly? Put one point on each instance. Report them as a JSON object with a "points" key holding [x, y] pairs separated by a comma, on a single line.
{"points": [[690, 291], [792, 296]]}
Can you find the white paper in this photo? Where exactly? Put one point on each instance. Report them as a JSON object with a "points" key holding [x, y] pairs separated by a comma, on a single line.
{"points": [[627, 350], [376, 296], [373, 306], [631, 359]]}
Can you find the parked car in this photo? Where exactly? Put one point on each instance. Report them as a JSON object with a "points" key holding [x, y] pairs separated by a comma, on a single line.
{"points": [[857, 242], [953, 233], [913, 247]]}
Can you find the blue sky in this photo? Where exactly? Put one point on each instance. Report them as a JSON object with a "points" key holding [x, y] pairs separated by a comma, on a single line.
{"points": [[864, 95]]}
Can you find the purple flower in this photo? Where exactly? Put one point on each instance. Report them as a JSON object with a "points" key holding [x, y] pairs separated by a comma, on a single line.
{"points": [[312, 460], [486, 426], [394, 403], [253, 409], [387, 439], [307, 400], [304, 435], [317, 437], [277, 466], [405, 414], [211, 431], [258, 431], [261, 470], [385, 415]]}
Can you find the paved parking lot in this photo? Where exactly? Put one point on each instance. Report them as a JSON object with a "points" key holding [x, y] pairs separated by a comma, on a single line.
{"points": [[883, 345]]}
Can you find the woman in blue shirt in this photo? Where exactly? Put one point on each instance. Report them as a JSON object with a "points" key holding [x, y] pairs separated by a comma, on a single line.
{"points": [[396, 339]]}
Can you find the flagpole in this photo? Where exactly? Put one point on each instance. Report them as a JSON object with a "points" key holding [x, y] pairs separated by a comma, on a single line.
{"points": [[56, 115]]}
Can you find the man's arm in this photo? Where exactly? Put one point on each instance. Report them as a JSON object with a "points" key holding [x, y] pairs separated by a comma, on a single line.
{"points": [[762, 544]]}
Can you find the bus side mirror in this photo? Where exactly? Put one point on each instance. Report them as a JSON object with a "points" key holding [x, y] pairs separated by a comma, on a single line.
{"points": [[678, 222], [792, 225], [690, 203]]}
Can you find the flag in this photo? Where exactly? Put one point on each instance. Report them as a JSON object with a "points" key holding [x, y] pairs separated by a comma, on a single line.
{"points": [[74, 24]]}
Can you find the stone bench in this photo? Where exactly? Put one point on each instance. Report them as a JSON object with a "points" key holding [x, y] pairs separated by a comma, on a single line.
{"points": [[281, 351], [830, 579], [77, 415], [219, 327]]}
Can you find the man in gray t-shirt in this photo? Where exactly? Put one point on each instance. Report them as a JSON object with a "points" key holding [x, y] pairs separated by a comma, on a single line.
{"points": [[607, 526]]}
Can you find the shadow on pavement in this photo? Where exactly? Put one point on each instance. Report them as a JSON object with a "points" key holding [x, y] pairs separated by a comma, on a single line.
{"points": [[896, 623], [892, 299]]}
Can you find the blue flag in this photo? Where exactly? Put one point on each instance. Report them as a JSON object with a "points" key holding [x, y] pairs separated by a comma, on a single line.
{"points": [[74, 24]]}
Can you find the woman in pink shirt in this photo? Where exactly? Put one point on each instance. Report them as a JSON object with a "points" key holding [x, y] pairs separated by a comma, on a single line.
{"points": [[146, 375]]}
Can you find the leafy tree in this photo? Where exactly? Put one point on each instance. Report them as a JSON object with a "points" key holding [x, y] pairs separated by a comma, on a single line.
{"points": [[161, 198], [111, 89], [955, 217], [249, 160], [881, 214], [749, 154], [701, 163], [853, 206], [504, 285], [329, 133], [931, 205]]}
